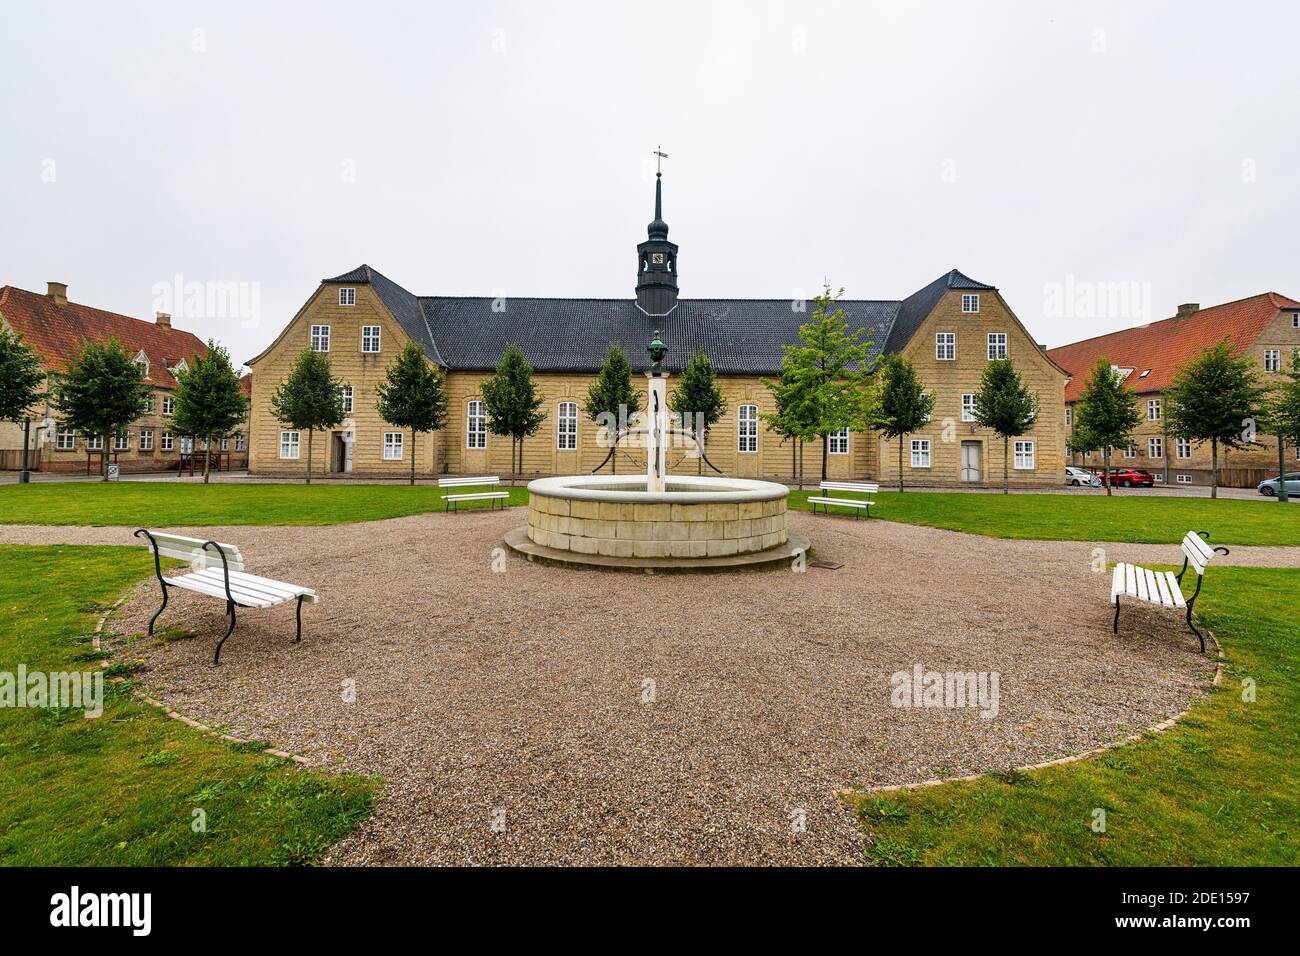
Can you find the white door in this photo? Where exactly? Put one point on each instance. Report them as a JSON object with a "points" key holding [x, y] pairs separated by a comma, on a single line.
{"points": [[970, 460]]}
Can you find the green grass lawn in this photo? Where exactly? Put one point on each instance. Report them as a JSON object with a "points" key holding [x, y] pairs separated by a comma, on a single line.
{"points": [[1220, 788], [1085, 517], [1135, 518], [122, 789], [173, 504]]}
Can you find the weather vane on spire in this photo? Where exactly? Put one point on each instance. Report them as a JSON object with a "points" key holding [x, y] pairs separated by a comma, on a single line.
{"points": [[660, 156]]}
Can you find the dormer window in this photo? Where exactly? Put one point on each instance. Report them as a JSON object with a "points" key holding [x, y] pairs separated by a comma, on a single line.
{"points": [[181, 366], [970, 302], [142, 360], [347, 296]]}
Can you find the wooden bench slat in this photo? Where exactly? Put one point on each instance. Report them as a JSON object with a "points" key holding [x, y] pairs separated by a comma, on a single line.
{"points": [[848, 502], [192, 582], [475, 495]]}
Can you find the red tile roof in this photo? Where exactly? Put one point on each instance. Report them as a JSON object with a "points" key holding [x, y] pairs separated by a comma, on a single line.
{"points": [[57, 331], [246, 384], [1165, 345]]}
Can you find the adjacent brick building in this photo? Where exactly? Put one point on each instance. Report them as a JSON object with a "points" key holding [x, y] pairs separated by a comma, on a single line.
{"points": [[950, 329], [56, 329], [1265, 327]]}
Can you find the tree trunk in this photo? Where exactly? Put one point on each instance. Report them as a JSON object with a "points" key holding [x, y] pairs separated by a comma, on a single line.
{"points": [[1006, 466], [1281, 469], [1214, 467], [825, 455], [103, 461], [207, 462], [900, 463], [413, 457], [521, 457], [1105, 467], [309, 437]]}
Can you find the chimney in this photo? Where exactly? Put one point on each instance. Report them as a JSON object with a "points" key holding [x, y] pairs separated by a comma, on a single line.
{"points": [[1186, 309], [163, 319], [58, 291]]}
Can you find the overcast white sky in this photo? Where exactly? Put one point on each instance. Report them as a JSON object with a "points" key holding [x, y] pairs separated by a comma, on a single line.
{"points": [[468, 148]]}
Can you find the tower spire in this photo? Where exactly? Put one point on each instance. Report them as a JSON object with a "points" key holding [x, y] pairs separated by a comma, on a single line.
{"points": [[656, 276]]}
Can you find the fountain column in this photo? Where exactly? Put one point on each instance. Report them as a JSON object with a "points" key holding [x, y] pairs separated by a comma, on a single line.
{"points": [[656, 450]]}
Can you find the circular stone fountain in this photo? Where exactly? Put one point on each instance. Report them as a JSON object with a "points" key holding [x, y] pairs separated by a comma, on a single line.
{"points": [[657, 522]]}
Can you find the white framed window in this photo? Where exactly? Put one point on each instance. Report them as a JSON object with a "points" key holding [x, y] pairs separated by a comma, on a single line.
{"points": [[920, 453], [1156, 447], [945, 346], [1069, 416], [475, 425], [1295, 320], [393, 446], [1131, 451], [65, 439], [838, 442], [95, 442], [970, 302], [1024, 455], [1272, 360], [968, 407], [168, 404], [187, 445], [1154, 410], [239, 442], [122, 441], [566, 427], [347, 399], [347, 295], [289, 442], [225, 444], [142, 360], [1158, 478], [997, 345], [320, 338], [168, 442], [149, 404], [1183, 448], [146, 439], [1183, 479], [747, 433], [370, 338]]}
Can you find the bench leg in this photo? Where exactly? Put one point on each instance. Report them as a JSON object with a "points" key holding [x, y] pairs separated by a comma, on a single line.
{"points": [[1199, 636], [298, 635], [230, 609], [160, 609], [1115, 626]]}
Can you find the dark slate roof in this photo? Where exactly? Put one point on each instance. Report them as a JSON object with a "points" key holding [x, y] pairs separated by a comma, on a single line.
{"points": [[741, 336], [914, 309]]}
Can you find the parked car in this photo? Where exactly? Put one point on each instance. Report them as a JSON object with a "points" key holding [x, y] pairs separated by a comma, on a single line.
{"points": [[1080, 477], [1292, 485], [1132, 478]]}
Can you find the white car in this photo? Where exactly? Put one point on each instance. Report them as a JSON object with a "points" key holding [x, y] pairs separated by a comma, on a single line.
{"points": [[1077, 476]]}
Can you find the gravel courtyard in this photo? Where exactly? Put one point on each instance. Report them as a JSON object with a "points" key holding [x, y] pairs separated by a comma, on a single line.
{"points": [[554, 715]]}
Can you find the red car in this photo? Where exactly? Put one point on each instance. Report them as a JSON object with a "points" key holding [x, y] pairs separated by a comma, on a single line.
{"points": [[1129, 478]]}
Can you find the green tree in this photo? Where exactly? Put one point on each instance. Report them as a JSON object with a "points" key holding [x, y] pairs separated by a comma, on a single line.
{"points": [[310, 398], [611, 399], [1006, 407], [413, 395], [22, 378], [101, 392], [793, 418], [904, 404], [208, 402], [826, 376], [1282, 417], [698, 400], [1106, 413], [1215, 397], [512, 404]]}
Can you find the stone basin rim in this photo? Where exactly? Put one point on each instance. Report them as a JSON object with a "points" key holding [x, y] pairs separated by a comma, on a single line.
{"points": [[727, 489]]}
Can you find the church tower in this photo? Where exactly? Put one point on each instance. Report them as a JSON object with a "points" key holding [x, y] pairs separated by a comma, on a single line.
{"points": [[656, 273]]}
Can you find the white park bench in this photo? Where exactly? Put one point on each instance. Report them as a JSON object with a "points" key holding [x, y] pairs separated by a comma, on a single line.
{"points": [[856, 503], [1163, 588], [491, 496], [218, 571]]}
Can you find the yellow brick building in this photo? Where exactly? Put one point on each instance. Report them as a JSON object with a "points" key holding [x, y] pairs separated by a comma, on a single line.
{"points": [[950, 330]]}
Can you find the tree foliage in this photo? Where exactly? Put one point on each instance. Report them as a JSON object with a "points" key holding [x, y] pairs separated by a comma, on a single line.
{"points": [[22, 379], [1005, 406], [903, 406], [512, 403], [1215, 397], [697, 400], [1281, 416], [311, 398], [612, 402], [101, 392], [1105, 415], [208, 402], [413, 395]]}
